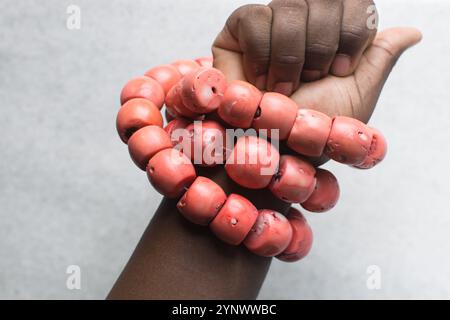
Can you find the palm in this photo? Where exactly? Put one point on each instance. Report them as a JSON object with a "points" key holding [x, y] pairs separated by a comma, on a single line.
{"points": [[355, 95], [338, 96]]}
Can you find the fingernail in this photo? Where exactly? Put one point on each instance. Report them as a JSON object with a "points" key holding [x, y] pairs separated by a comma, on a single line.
{"points": [[284, 88], [341, 65], [260, 82], [311, 75]]}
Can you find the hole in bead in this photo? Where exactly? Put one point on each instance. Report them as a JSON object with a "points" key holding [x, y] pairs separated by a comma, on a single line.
{"points": [[362, 136], [257, 113], [214, 90], [151, 169]]}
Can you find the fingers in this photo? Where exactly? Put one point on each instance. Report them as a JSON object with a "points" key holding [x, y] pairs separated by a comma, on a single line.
{"points": [[378, 61], [322, 38], [251, 25], [358, 29], [227, 51], [288, 40]]}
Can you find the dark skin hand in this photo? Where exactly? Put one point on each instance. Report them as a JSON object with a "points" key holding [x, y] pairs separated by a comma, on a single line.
{"points": [[254, 43], [289, 41]]}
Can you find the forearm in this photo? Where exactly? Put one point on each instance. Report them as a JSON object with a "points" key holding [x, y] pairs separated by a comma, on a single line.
{"points": [[176, 259]]}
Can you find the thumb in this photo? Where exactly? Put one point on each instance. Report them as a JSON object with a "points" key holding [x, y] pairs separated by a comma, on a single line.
{"points": [[389, 45], [378, 61]]}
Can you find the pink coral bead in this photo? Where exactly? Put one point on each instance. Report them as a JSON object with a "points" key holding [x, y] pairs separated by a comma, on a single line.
{"points": [[295, 180], [202, 201], [252, 162], [326, 193], [145, 88], [302, 238], [170, 172], [206, 143], [136, 114], [146, 142], [166, 75], [205, 61], [234, 220], [240, 103], [377, 151], [349, 141], [310, 132], [276, 111], [270, 235], [176, 130], [175, 105], [185, 66], [202, 90]]}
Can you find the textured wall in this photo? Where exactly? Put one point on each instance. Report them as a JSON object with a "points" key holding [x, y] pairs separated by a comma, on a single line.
{"points": [[70, 195]]}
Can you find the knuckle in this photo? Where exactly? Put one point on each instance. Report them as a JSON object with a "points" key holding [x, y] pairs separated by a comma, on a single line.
{"points": [[323, 50], [354, 35], [288, 60]]}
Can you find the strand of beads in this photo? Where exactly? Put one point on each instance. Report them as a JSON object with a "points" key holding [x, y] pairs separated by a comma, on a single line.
{"points": [[308, 133], [191, 90]]}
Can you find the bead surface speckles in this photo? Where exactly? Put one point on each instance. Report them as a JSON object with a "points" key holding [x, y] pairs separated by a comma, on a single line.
{"points": [[170, 172], [295, 180], [239, 104], [377, 151], [202, 201], [276, 111], [349, 141], [310, 133], [270, 235], [234, 220], [202, 90]]}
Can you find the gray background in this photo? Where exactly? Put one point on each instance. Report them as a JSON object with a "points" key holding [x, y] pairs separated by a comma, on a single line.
{"points": [[70, 195]]}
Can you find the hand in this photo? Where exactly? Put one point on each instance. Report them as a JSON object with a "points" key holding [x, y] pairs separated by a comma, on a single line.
{"points": [[284, 41]]}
